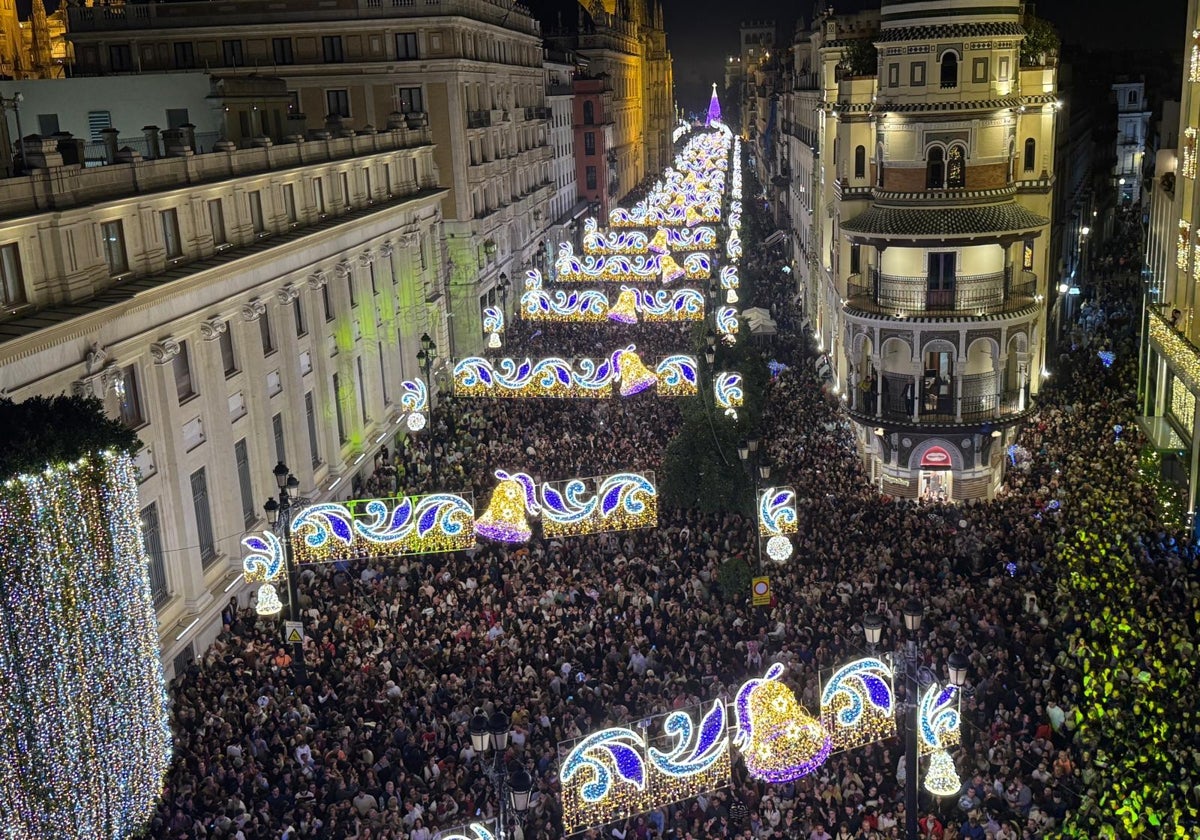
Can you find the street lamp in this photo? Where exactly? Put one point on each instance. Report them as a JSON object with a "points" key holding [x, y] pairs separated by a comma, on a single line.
{"points": [[502, 288], [873, 629], [514, 785], [279, 515], [425, 359], [748, 454]]}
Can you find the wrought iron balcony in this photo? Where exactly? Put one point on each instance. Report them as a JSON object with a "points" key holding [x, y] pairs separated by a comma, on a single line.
{"points": [[937, 409], [965, 295]]}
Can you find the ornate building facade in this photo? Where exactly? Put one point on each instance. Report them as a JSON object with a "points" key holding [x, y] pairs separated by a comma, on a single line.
{"points": [[929, 289]]}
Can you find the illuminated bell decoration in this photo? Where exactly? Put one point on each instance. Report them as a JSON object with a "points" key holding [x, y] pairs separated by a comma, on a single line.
{"points": [[635, 376], [692, 216], [671, 270], [504, 520], [941, 779], [779, 548], [659, 243], [780, 741], [731, 296], [493, 341], [268, 601], [625, 309], [415, 421]]}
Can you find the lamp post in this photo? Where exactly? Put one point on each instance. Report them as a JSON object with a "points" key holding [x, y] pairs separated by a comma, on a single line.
{"points": [[279, 515], [502, 288], [425, 358], [748, 455], [513, 785]]}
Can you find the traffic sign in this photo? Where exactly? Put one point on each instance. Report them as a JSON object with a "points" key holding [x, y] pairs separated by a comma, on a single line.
{"points": [[760, 591], [293, 632]]}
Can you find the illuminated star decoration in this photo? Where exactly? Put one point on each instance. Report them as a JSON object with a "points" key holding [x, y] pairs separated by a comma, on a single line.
{"points": [[82, 696]]}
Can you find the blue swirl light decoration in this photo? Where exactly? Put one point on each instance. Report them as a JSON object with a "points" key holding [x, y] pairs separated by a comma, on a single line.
{"points": [[414, 399], [677, 376], [727, 321], [265, 564], [493, 319], [777, 512], [728, 393], [697, 266], [669, 306], [604, 777], [692, 239], [690, 755], [620, 502], [567, 508], [938, 719], [729, 277], [857, 704], [552, 378], [733, 246], [615, 242], [536, 303]]}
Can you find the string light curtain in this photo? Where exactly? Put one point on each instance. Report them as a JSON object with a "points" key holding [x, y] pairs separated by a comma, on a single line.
{"points": [[83, 709]]}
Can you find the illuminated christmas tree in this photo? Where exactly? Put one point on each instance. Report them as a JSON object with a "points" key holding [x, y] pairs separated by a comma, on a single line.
{"points": [[84, 732], [714, 108]]}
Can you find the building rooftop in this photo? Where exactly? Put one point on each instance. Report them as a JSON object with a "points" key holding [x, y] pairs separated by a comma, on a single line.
{"points": [[944, 222]]}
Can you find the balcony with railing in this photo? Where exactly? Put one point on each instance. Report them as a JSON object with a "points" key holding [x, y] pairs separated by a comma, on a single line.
{"points": [[968, 296], [479, 119], [945, 407]]}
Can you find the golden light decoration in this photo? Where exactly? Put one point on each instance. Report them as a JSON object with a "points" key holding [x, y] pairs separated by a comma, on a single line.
{"points": [[671, 270], [938, 719], [1180, 354], [635, 376], [83, 701], [620, 502], [779, 740], [512, 502], [677, 376], [625, 309], [941, 779]]}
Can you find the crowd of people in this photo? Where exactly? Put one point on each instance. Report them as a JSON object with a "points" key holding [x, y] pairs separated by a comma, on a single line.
{"points": [[568, 636]]}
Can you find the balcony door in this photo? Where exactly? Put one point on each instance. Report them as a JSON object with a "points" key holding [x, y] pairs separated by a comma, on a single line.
{"points": [[938, 385], [940, 291]]}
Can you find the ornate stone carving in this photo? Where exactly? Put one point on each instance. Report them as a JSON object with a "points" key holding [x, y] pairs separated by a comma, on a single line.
{"points": [[318, 279], [213, 328], [343, 269], [288, 293], [164, 351], [386, 249], [254, 309], [366, 257], [97, 357]]}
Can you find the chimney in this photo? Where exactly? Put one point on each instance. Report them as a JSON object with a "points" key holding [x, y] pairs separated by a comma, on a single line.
{"points": [[109, 137], [189, 136], [153, 150], [175, 143]]}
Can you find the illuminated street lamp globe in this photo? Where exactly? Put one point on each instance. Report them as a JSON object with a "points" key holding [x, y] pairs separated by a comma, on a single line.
{"points": [[779, 548], [416, 421]]}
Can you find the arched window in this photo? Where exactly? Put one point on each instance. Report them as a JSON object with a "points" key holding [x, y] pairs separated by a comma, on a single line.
{"points": [[936, 168], [860, 162], [949, 70], [956, 168], [879, 165], [1133, 97], [589, 113], [1030, 154]]}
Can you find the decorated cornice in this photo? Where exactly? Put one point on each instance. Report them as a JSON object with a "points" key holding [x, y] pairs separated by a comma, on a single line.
{"points": [[366, 257], [254, 309], [164, 351], [213, 328], [318, 279], [343, 269], [933, 107], [386, 249], [288, 293]]}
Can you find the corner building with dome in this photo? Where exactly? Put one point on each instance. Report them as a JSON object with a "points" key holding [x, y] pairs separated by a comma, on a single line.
{"points": [[932, 282]]}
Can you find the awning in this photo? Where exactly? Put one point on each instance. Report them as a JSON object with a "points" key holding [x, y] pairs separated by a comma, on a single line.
{"points": [[882, 221]]}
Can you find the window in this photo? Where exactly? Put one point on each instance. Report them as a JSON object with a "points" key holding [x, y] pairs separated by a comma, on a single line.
{"points": [[228, 358], [216, 221], [298, 317], [282, 48], [131, 400], [232, 51], [423, 250], [337, 103], [935, 168], [345, 189], [112, 237], [277, 432], [185, 55], [328, 304], [860, 161], [319, 195], [256, 213], [152, 543], [12, 284], [949, 70], [310, 415], [368, 189], [1027, 255], [941, 280], [331, 46], [337, 409], [956, 168], [182, 366], [177, 117], [350, 289], [979, 70], [1133, 97], [589, 142], [1003, 68], [406, 45], [383, 389], [590, 174], [362, 391], [855, 258], [289, 203], [916, 74], [97, 122], [879, 165], [411, 100], [204, 529], [264, 331], [170, 232], [241, 459], [589, 113], [894, 74], [120, 58], [1030, 154], [47, 124]]}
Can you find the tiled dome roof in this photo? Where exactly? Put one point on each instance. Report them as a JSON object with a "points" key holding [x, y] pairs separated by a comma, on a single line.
{"points": [[946, 222]]}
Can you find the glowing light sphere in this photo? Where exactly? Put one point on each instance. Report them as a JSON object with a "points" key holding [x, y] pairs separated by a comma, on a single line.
{"points": [[86, 737], [415, 422], [779, 548]]}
